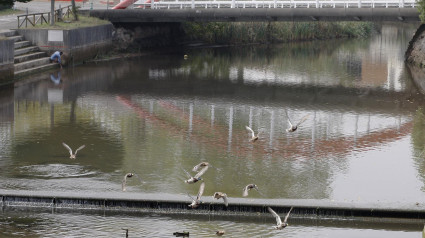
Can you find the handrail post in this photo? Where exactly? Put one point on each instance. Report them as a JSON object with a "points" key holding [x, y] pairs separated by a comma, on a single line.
{"points": [[360, 3], [193, 4], [233, 4]]}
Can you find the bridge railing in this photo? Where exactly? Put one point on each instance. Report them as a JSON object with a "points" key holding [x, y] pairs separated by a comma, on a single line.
{"points": [[182, 4]]}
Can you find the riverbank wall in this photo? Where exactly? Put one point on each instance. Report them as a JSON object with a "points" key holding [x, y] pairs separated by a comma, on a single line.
{"points": [[6, 60], [78, 44]]}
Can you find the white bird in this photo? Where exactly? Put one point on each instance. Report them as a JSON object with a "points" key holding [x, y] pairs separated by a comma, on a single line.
{"points": [[280, 224], [292, 127], [253, 137], [72, 156], [124, 181], [249, 187], [197, 177], [218, 195], [198, 166], [196, 202]]}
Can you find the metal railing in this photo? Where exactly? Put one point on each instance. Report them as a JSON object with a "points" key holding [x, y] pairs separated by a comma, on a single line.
{"points": [[182, 4], [40, 18]]}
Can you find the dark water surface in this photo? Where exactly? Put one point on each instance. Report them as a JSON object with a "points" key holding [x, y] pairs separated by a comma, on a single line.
{"points": [[363, 141]]}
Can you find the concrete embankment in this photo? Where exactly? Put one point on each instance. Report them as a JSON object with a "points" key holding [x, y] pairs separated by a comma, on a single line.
{"points": [[237, 206], [6, 59]]}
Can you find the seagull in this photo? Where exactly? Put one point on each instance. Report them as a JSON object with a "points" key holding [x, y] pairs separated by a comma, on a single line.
{"points": [[124, 181], [219, 233], [72, 156], [253, 137], [218, 195], [249, 187], [280, 224], [293, 128], [196, 202], [197, 177], [198, 166]]}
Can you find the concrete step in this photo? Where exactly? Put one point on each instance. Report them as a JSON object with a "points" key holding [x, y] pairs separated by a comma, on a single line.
{"points": [[32, 63], [22, 44], [7, 33], [30, 56], [34, 70], [26, 50], [16, 38]]}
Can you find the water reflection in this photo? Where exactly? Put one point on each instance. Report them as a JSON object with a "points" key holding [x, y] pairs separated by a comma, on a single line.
{"points": [[155, 116]]}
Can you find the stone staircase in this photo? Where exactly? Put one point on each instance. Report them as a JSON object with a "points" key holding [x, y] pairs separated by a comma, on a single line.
{"points": [[28, 58]]}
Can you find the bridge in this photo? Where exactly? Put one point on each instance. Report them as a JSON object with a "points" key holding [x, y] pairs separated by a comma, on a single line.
{"points": [[257, 11]]}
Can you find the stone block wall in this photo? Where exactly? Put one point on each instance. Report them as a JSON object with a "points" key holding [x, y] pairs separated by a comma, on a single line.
{"points": [[6, 60], [77, 44]]}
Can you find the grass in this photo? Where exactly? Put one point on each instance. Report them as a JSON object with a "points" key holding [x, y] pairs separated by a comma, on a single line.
{"points": [[10, 12], [69, 23]]}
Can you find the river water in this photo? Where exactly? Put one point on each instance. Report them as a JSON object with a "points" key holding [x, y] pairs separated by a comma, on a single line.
{"points": [[363, 140]]}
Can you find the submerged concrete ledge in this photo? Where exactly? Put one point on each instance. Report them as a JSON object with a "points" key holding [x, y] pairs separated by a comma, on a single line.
{"points": [[179, 203]]}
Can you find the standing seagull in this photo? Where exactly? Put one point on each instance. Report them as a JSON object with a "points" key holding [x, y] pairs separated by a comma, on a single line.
{"points": [[253, 137], [196, 202], [293, 128], [197, 177], [218, 195], [280, 224], [124, 181], [72, 156], [249, 187]]}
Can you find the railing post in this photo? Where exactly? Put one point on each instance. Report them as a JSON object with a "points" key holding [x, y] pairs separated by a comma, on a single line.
{"points": [[193, 4], [401, 5], [152, 1], [360, 3], [275, 3], [233, 4], [317, 3]]}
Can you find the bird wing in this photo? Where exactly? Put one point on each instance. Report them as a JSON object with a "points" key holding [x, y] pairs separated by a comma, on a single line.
{"points": [[249, 129], [287, 215], [191, 197], [289, 120], [303, 119], [195, 169], [187, 173], [123, 183], [200, 173], [245, 191], [278, 220], [137, 176], [67, 146], [79, 148], [226, 202], [201, 191]]}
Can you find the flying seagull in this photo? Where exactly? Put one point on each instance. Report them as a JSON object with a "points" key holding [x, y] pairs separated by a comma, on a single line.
{"points": [[280, 224], [72, 156], [218, 195], [197, 177], [292, 127], [124, 181], [249, 187], [253, 137], [196, 202], [198, 166]]}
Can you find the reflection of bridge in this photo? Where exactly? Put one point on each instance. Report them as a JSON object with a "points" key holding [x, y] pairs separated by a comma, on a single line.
{"points": [[235, 139], [260, 14]]}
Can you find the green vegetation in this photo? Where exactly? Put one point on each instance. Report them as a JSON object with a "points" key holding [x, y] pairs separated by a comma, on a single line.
{"points": [[69, 23], [8, 4], [9, 12], [274, 32], [421, 10]]}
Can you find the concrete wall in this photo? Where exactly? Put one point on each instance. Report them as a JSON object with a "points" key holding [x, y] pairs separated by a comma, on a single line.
{"points": [[77, 44], [6, 60]]}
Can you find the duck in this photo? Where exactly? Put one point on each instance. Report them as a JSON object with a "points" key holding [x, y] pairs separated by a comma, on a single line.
{"points": [[196, 202], [218, 195], [197, 177], [253, 137], [124, 181], [249, 187], [280, 225], [220, 233], [292, 127], [72, 155]]}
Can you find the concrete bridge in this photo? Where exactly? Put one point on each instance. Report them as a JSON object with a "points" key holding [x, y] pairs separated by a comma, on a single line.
{"points": [[258, 11]]}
